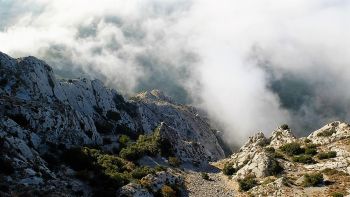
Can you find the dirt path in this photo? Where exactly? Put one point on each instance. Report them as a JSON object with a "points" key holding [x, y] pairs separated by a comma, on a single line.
{"points": [[218, 185]]}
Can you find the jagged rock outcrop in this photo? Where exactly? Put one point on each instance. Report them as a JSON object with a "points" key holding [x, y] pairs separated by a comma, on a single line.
{"points": [[281, 136]]}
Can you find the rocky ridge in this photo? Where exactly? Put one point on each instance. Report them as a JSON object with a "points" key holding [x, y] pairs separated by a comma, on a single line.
{"points": [[41, 117]]}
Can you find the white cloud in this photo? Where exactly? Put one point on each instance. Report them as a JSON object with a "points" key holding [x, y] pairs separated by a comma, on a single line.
{"points": [[216, 43]]}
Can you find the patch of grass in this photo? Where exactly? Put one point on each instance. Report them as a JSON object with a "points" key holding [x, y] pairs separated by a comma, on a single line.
{"points": [[312, 180], [329, 172], [247, 183], [268, 180], [205, 176], [292, 149], [306, 159], [327, 155]]}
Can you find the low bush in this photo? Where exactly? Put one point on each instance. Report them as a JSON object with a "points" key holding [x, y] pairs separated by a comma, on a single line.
{"points": [[292, 149], [151, 145], [278, 155], [167, 191], [312, 180], [327, 155], [284, 127], [270, 149], [247, 183], [306, 159], [274, 168], [228, 170], [160, 168], [310, 151], [329, 172], [140, 172], [205, 176], [307, 140], [105, 173], [123, 141], [326, 133]]}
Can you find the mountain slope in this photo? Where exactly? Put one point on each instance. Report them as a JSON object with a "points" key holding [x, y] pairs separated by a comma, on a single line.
{"points": [[41, 118], [283, 165]]}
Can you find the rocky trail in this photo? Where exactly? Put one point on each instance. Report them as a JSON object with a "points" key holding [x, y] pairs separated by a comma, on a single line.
{"points": [[217, 185]]}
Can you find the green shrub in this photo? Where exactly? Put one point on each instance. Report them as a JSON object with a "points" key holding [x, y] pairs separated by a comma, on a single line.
{"points": [[284, 127], [311, 145], [150, 145], [307, 140], [270, 149], [310, 151], [327, 155], [123, 140], [228, 170], [140, 172], [312, 180], [160, 168], [278, 155], [326, 133], [174, 161], [337, 194], [247, 183], [307, 159], [205, 176], [274, 168], [104, 173], [292, 149]]}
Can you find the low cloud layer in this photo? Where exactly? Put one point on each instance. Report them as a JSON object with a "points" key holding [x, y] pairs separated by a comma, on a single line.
{"points": [[251, 64]]}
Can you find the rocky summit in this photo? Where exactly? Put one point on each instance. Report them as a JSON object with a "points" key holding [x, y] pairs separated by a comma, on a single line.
{"points": [[76, 137]]}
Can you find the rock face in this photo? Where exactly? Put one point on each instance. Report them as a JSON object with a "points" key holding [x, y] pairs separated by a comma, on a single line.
{"points": [[40, 114]]}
